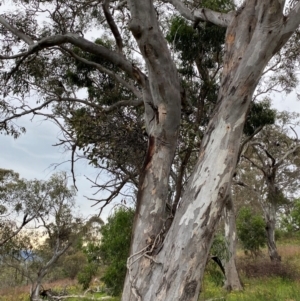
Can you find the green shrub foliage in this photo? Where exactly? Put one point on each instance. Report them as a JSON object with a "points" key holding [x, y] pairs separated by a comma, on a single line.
{"points": [[114, 248], [251, 231]]}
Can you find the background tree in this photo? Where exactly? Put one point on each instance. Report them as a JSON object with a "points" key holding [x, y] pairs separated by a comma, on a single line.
{"points": [[274, 153], [19, 204], [57, 223]]}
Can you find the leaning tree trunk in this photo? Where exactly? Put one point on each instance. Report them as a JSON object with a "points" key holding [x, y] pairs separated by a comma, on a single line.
{"points": [[170, 266], [232, 281]]}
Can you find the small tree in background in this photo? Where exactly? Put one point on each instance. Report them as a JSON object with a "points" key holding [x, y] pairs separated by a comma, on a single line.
{"points": [[85, 276], [251, 231], [114, 248], [52, 203]]}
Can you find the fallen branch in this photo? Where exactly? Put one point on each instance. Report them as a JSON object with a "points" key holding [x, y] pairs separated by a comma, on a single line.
{"points": [[80, 297]]}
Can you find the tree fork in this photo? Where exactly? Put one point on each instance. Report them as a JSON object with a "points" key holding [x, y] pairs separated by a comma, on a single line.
{"points": [[249, 47]]}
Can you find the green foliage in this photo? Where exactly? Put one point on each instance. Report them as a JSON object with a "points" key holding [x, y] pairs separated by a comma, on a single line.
{"points": [[270, 289], [124, 132], [73, 264], [114, 248], [291, 222], [260, 114], [251, 231], [190, 43], [219, 247], [86, 275]]}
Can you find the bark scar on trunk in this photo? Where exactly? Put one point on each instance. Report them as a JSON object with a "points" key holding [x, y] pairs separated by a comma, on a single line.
{"points": [[189, 290]]}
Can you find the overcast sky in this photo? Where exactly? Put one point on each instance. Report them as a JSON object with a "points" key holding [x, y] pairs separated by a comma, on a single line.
{"points": [[32, 155]]}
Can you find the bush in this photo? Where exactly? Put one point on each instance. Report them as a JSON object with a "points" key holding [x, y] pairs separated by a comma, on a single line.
{"points": [[86, 275], [267, 268], [114, 248], [251, 231], [73, 264]]}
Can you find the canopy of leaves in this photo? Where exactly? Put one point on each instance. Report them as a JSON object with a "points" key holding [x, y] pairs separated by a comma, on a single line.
{"points": [[260, 114], [110, 141]]}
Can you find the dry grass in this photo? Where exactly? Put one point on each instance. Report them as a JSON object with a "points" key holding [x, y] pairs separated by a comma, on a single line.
{"points": [[289, 251], [22, 292]]}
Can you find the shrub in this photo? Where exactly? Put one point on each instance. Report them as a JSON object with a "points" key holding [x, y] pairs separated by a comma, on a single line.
{"points": [[73, 264], [251, 231], [267, 268], [114, 248]]}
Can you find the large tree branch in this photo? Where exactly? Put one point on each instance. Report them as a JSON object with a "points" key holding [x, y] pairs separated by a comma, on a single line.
{"points": [[181, 8], [16, 32], [116, 58], [112, 24], [25, 221], [202, 14], [293, 20], [220, 19], [102, 69]]}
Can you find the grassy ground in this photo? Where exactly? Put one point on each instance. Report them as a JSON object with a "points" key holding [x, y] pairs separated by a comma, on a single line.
{"points": [[262, 281]]}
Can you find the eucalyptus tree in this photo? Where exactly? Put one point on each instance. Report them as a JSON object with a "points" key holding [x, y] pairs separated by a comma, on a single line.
{"points": [[274, 153], [55, 221], [255, 32], [61, 226], [19, 204]]}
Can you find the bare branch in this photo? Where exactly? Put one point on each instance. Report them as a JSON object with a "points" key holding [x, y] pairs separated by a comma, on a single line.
{"points": [[15, 233], [117, 188], [249, 138], [72, 165], [75, 39], [112, 24], [294, 133], [26, 112], [16, 32], [254, 164], [5, 57], [293, 149]]}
